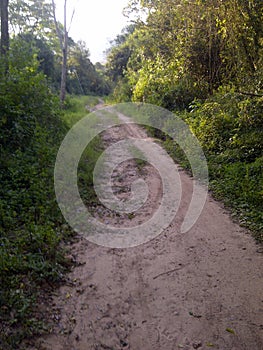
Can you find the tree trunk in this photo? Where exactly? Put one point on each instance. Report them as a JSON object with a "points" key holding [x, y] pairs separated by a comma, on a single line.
{"points": [[63, 40], [64, 59], [64, 71], [4, 28]]}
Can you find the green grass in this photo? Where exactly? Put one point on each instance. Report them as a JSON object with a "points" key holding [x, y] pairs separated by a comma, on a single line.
{"points": [[240, 186], [77, 108], [75, 111], [33, 232], [138, 157], [85, 171], [231, 136]]}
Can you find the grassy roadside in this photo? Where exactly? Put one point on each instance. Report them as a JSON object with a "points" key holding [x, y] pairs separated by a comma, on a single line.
{"points": [[77, 107], [238, 185], [230, 133], [33, 234]]}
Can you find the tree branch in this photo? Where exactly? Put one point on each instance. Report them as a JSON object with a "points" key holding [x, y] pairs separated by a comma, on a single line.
{"points": [[71, 20], [249, 94], [168, 272]]}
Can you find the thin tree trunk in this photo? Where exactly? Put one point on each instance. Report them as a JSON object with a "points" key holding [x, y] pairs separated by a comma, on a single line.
{"points": [[4, 28], [64, 71], [64, 58], [63, 40]]}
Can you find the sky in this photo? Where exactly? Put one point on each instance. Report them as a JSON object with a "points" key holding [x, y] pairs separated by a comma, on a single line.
{"points": [[96, 22]]}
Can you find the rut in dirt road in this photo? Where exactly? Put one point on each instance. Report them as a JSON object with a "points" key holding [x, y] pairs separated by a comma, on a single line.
{"points": [[198, 290]]}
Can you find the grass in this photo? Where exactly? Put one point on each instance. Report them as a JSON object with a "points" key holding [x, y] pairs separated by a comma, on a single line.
{"points": [[77, 108], [235, 171], [138, 157], [239, 185], [33, 234]]}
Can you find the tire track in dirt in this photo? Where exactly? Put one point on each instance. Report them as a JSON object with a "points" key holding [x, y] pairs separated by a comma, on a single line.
{"points": [[198, 290]]}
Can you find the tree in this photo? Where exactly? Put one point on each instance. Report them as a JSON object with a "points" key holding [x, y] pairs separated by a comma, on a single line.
{"points": [[119, 53], [44, 51], [34, 17], [187, 49], [83, 77], [4, 27], [63, 40]]}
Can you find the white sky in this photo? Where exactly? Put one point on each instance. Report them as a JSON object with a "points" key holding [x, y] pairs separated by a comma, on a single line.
{"points": [[96, 22]]}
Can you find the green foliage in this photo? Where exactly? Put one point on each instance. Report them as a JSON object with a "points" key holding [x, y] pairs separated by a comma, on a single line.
{"points": [[188, 49], [214, 127], [83, 78], [31, 226], [240, 186], [229, 123], [163, 84], [33, 22], [229, 127], [119, 54], [25, 97], [122, 92], [118, 57], [33, 17], [32, 229], [202, 58], [230, 130], [85, 171], [76, 107], [30, 220]]}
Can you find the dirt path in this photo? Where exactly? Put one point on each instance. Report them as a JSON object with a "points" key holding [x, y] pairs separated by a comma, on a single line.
{"points": [[199, 290]]}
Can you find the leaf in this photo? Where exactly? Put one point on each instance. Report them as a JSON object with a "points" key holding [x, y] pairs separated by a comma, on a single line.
{"points": [[210, 345], [68, 296], [230, 330], [194, 315]]}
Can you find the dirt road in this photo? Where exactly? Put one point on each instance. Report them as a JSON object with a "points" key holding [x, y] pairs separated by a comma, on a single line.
{"points": [[199, 290]]}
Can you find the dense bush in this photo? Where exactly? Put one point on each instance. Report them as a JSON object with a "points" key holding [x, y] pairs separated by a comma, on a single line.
{"points": [[228, 120], [229, 127], [30, 221]]}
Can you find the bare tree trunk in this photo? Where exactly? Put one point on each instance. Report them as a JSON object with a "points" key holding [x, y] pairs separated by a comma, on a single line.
{"points": [[63, 75], [63, 40], [64, 58], [4, 28]]}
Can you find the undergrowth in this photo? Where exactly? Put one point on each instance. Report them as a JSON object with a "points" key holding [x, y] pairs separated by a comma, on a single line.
{"points": [[33, 232], [77, 108], [229, 127]]}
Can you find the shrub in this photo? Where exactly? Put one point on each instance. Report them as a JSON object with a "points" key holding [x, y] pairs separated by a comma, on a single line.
{"points": [[30, 220]]}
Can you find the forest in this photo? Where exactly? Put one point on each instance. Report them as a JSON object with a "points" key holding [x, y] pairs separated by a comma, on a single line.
{"points": [[201, 59]]}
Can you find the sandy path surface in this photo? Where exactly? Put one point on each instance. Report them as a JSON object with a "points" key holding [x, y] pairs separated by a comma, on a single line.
{"points": [[199, 290]]}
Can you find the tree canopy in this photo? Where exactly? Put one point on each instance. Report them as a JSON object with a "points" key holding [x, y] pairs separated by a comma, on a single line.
{"points": [[202, 59], [189, 48]]}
